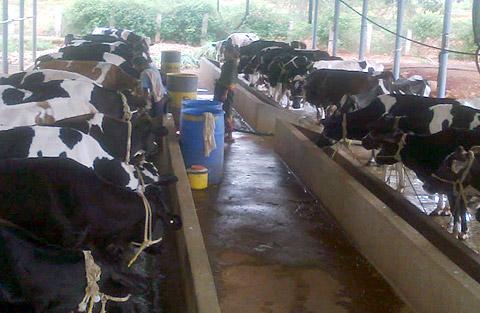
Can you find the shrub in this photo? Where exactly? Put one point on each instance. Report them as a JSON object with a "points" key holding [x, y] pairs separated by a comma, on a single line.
{"points": [[427, 25], [183, 23], [83, 16]]}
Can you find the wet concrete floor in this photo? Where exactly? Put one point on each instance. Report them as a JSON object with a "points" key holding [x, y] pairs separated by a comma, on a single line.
{"points": [[273, 249]]}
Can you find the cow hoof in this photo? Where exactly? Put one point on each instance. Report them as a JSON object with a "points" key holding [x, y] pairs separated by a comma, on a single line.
{"points": [[463, 236], [449, 228]]}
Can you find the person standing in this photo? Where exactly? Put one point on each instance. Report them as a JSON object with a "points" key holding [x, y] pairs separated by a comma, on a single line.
{"points": [[225, 86], [152, 86]]}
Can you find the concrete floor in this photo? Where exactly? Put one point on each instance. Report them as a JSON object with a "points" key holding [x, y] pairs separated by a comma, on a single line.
{"points": [[274, 249]]}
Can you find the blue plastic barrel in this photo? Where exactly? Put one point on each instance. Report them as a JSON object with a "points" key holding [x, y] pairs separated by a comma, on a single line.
{"points": [[192, 141], [201, 104]]}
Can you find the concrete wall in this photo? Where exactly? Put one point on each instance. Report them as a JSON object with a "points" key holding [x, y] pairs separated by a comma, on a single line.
{"points": [[200, 291], [419, 273], [256, 112]]}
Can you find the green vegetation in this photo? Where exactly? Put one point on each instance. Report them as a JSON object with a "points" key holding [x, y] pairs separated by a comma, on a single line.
{"points": [[84, 15], [182, 20]]}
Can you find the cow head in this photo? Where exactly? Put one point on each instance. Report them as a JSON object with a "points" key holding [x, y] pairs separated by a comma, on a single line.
{"points": [[146, 132], [135, 101], [451, 170], [385, 80], [164, 220], [379, 129], [392, 146]]}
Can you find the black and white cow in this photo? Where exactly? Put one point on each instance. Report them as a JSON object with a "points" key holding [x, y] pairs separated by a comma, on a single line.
{"points": [[106, 101], [84, 54], [64, 142], [460, 167], [236, 40], [281, 73], [360, 122], [105, 74], [113, 134], [350, 65], [424, 155], [414, 85], [247, 53], [43, 112], [68, 205], [40, 277], [138, 43], [40, 76], [326, 87], [118, 48], [423, 116]]}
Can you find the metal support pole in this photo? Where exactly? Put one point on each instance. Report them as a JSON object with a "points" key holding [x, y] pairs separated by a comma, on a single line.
{"points": [[5, 38], [336, 17], [398, 39], [310, 9], [442, 70], [21, 36], [34, 30], [363, 32], [315, 24]]}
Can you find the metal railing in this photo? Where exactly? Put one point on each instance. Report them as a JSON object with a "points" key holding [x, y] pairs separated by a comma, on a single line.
{"points": [[443, 49], [6, 20]]}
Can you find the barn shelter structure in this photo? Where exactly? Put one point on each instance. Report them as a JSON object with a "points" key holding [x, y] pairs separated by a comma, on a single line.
{"points": [[293, 225]]}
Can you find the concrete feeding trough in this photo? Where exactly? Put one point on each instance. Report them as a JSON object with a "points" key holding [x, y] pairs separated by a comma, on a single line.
{"points": [[197, 279], [422, 275]]}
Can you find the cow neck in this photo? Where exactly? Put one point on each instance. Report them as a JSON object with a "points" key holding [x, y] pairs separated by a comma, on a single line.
{"points": [[398, 153], [127, 115], [147, 232], [424, 154], [459, 184], [92, 291], [344, 141]]}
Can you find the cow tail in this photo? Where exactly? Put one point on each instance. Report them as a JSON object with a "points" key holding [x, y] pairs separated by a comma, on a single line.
{"points": [[127, 114], [129, 141]]}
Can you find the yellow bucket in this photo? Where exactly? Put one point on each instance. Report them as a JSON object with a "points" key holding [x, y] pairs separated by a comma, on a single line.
{"points": [[198, 177]]}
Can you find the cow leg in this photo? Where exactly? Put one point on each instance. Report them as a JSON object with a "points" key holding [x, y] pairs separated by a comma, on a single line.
{"points": [[443, 208], [372, 161], [452, 225], [319, 119], [463, 234], [287, 94], [278, 92], [399, 168], [446, 208]]}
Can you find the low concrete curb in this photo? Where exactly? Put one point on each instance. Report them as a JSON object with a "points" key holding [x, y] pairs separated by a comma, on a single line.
{"points": [[199, 285]]}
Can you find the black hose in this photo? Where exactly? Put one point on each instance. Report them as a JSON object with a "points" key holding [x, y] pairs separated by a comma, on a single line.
{"points": [[252, 132]]}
